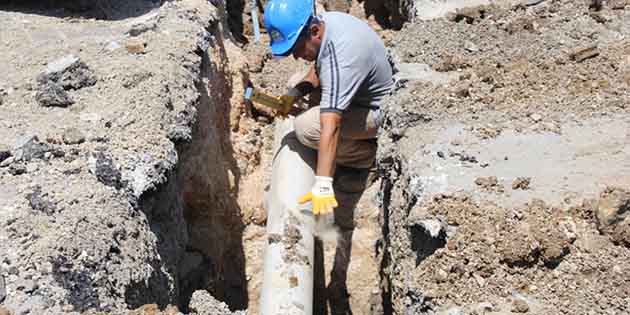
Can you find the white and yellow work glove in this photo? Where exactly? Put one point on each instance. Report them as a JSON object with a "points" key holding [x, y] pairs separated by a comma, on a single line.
{"points": [[322, 196]]}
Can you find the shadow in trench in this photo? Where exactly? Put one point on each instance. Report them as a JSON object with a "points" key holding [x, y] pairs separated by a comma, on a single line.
{"points": [[387, 13], [98, 9], [213, 216]]}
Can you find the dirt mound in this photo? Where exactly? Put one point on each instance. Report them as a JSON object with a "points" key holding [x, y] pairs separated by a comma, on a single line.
{"points": [[117, 160], [495, 173]]}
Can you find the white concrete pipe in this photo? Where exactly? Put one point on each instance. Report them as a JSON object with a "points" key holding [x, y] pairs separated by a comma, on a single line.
{"points": [[288, 273]]}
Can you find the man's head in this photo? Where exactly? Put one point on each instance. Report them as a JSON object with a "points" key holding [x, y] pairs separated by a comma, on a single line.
{"points": [[293, 28], [308, 43]]}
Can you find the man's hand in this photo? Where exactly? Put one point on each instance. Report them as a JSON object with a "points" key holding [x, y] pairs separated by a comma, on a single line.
{"points": [[322, 196], [287, 104]]}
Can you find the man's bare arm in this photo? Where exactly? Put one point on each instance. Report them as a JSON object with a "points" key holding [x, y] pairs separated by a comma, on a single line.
{"points": [[330, 123]]}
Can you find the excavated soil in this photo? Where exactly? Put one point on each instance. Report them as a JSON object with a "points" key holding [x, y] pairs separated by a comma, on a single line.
{"points": [[506, 164]]}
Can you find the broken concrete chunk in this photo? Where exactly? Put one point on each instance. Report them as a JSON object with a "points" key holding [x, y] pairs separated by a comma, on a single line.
{"points": [[584, 53], [29, 147], [69, 72], [52, 94], [102, 166], [61, 65], [202, 303], [73, 136]]}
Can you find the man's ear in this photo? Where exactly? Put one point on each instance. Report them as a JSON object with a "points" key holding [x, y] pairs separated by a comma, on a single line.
{"points": [[316, 31]]}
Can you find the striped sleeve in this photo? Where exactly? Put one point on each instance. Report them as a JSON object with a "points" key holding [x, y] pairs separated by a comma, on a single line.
{"points": [[340, 76]]}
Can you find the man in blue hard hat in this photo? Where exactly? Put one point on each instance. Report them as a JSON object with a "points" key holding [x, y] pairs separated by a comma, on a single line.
{"points": [[353, 74]]}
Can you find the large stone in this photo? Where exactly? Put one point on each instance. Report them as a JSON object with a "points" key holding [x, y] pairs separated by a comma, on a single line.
{"points": [[613, 207], [69, 72], [29, 147], [52, 94], [427, 236]]}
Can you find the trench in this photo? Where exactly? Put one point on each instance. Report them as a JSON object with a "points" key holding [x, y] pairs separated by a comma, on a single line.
{"points": [[197, 217], [206, 188]]}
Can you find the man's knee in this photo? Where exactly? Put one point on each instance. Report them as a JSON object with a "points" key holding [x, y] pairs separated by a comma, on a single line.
{"points": [[307, 129]]}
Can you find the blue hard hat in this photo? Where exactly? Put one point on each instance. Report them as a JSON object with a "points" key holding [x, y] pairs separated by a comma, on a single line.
{"points": [[285, 20]]}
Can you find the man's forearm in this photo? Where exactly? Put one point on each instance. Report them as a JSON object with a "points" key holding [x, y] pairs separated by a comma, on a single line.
{"points": [[329, 138]]}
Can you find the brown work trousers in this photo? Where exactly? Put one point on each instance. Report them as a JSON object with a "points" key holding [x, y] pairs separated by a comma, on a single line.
{"points": [[357, 142]]}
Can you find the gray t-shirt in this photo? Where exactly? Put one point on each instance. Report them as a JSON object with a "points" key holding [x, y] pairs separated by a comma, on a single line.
{"points": [[352, 64]]}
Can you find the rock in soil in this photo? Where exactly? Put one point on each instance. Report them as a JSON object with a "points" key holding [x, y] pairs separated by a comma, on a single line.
{"points": [[3, 288], [29, 147], [102, 166], [136, 46], [40, 201], [69, 72], [520, 306], [521, 183], [613, 207], [202, 303], [52, 94], [5, 152], [27, 286], [73, 136], [584, 53], [490, 183], [17, 169]]}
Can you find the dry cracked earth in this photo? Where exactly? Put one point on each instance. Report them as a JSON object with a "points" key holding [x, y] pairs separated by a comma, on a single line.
{"points": [[133, 175]]}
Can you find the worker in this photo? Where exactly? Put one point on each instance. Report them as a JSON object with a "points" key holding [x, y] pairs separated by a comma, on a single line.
{"points": [[353, 74]]}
